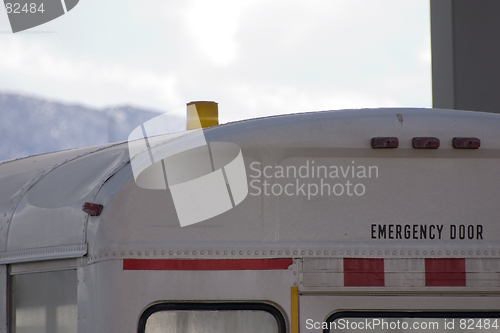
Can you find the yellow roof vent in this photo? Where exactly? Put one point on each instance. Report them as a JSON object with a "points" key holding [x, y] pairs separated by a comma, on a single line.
{"points": [[201, 114]]}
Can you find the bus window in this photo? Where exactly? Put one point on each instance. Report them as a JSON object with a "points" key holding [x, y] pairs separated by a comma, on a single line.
{"points": [[416, 322], [212, 318], [44, 302]]}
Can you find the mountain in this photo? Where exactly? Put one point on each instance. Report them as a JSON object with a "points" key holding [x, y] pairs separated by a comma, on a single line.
{"points": [[30, 126]]}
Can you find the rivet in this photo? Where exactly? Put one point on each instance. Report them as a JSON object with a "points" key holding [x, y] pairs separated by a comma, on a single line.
{"points": [[241, 253], [194, 252], [123, 253], [302, 252], [179, 252], [409, 253], [485, 252], [439, 253], [210, 252], [169, 252], [478, 252], [341, 252], [279, 252], [425, 252], [139, 253], [114, 253], [294, 252], [146, 253], [455, 252], [130, 252], [493, 253], [348, 253], [402, 252], [217, 252], [155, 253], [287, 252], [249, 252], [432, 252], [186, 252], [202, 252], [356, 252], [470, 253], [333, 252], [256, 252], [326, 253], [387, 252], [271, 252], [447, 252], [264, 253], [233, 252]]}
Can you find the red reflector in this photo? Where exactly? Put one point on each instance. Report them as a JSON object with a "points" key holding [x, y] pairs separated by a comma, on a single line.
{"points": [[205, 264], [466, 143], [92, 209], [425, 143], [360, 272], [445, 272], [385, 142]]}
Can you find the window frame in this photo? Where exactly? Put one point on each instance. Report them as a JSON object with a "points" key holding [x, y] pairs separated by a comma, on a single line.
{"points": [[35, 267], [409, 314], [212, 306]]}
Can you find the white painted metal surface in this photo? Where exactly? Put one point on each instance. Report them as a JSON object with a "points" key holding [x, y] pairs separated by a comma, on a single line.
{"points": [[411, 211], [42, 195], [446, 187]]}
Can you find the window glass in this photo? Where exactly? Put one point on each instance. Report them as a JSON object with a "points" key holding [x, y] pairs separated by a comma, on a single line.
{"points": [[213, 318], [414, 322], [44, 302]]}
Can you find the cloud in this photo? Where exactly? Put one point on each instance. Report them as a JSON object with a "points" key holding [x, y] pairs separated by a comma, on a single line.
{"points": [[99, 81], [214, 25], [255, 58]]}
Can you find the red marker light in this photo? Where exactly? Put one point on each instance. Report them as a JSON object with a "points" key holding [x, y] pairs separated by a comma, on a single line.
{"points": [[466, 143], [425, 143], [92, 209], [385, 142]]}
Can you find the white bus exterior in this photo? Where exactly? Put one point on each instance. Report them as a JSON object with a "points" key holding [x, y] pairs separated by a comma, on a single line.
{"points": [[373, 214]]}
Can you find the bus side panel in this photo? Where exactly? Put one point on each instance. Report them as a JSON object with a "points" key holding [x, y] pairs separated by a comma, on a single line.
{"points": [[112, 299]]}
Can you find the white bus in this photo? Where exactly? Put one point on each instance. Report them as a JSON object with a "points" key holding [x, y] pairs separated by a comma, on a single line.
{"points": [[373, 219]]}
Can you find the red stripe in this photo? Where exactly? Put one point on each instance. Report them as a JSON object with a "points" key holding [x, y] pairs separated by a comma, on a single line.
{"points": [[360, 272], [445, 272], [205, 264]]}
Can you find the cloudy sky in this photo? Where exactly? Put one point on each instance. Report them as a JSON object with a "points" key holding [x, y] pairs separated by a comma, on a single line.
{"points": [[254, 57]]}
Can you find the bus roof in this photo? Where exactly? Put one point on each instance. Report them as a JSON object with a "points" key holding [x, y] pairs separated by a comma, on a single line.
{"points": [[315, 186]]}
